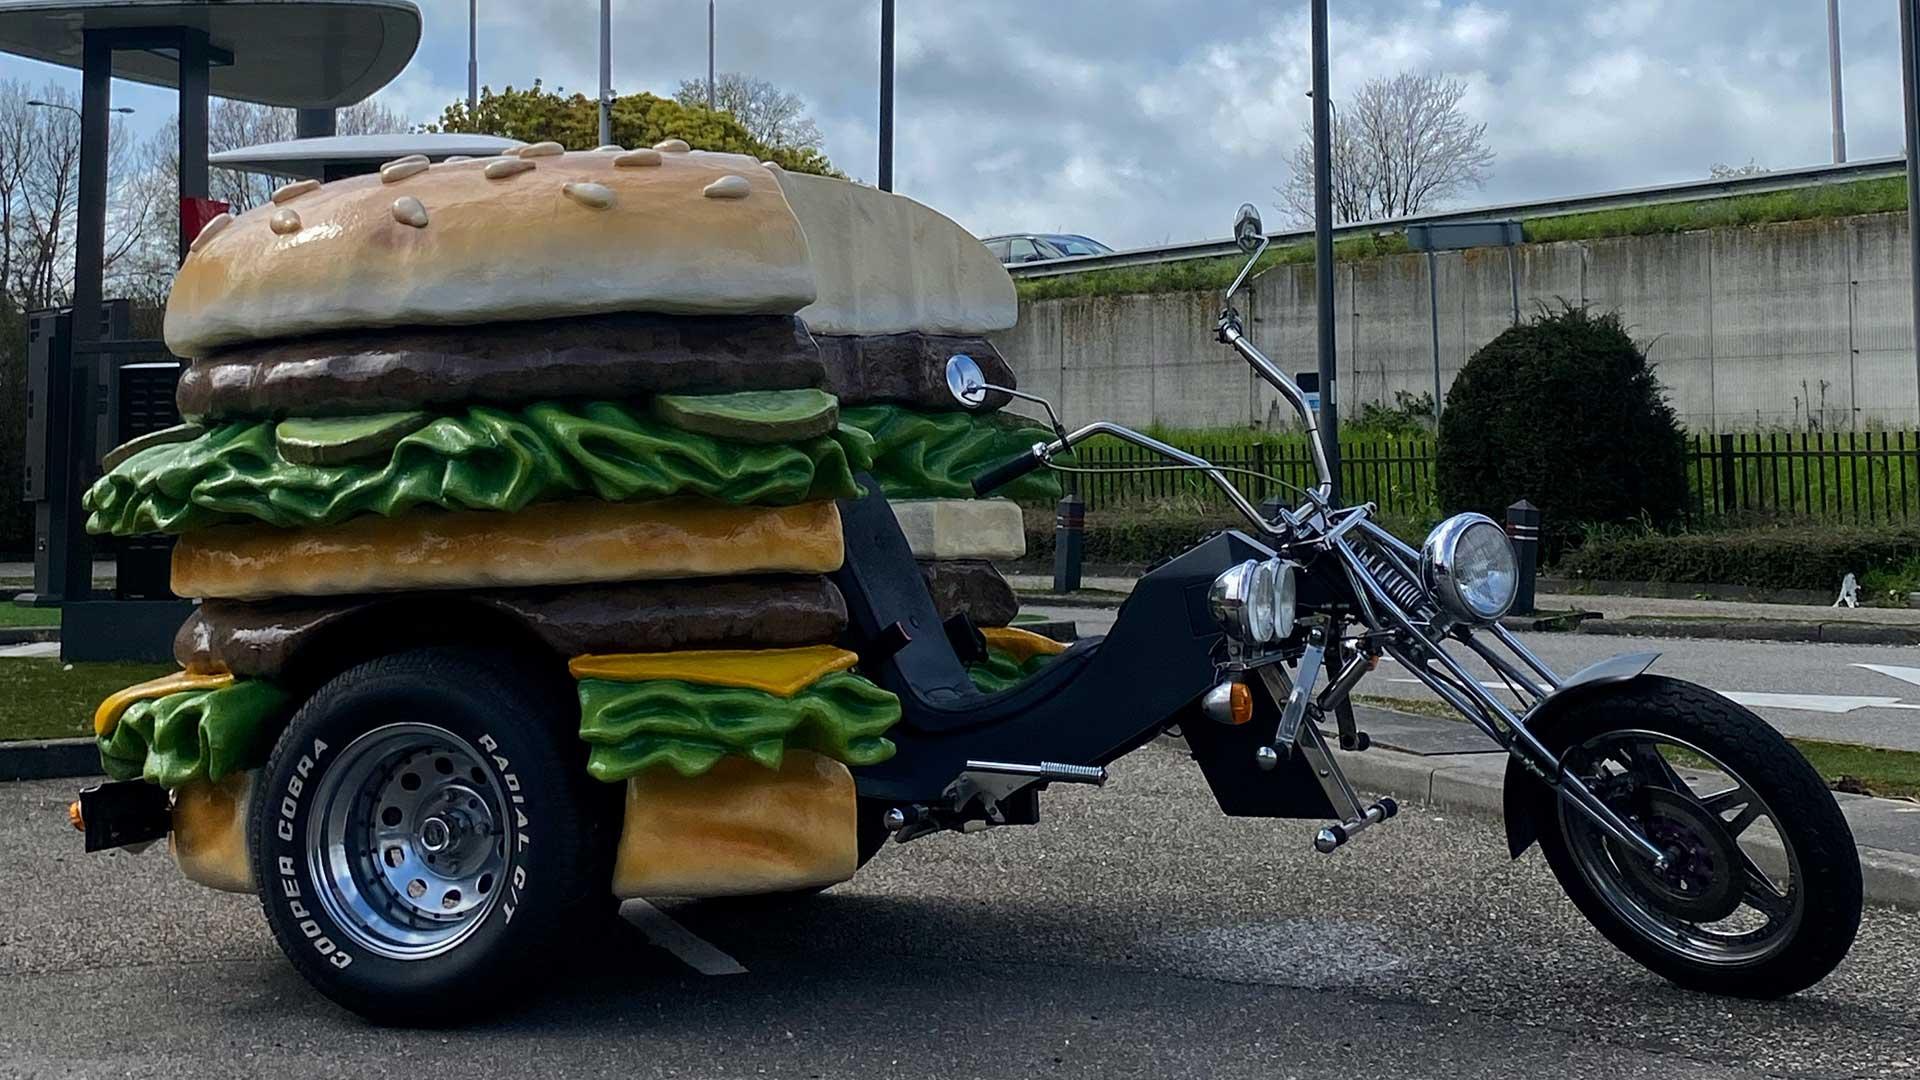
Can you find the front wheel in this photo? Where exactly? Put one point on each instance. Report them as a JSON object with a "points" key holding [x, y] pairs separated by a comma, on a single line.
{"points": [[423, 828], [1762, 894]]}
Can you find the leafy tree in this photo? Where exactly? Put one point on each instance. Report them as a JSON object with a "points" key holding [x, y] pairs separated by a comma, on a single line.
{"points": [[1563, 411], [774, 116], [537, 114]]}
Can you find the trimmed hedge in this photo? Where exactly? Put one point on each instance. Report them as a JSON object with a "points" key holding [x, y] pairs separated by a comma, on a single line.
{"points": [[1792, 557], [1563, 410], [1131, 537]]}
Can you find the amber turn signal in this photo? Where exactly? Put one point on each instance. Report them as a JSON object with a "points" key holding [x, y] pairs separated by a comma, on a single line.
{"points": [[1229, 703], [73, 816]]}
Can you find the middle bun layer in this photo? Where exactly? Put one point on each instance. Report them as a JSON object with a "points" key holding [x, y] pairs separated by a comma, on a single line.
{"points": [[602, 356]]}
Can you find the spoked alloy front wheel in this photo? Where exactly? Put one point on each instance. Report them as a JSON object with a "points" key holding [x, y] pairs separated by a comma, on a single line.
{"points": [[1761, 894]]}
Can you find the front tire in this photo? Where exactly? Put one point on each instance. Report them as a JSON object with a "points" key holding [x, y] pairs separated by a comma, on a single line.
{"points": [[423, 828], [1763, 896]]}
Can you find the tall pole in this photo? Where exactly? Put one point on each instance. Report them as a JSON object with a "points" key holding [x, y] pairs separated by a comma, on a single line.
{"points": [[89, 271], [886, 95], [194, 67], [1433, 310], [1909, 81], [606, 72], [709, 55], [473, 57], [1323, 243], [1833, 80]]}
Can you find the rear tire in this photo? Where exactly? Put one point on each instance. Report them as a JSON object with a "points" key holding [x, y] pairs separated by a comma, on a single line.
{"points": [[424, 827], [1808, 927]]}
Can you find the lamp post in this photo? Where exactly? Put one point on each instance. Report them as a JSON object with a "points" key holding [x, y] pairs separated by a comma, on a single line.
{"points": [[886, 95], [606, 72], [1833, 83], [709, 55], [473, 57], [1323, 246], [38, 104], [1910, 86]]}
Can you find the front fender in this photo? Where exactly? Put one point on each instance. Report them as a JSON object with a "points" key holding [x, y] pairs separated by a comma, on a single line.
{"points": [[1591, 684]]}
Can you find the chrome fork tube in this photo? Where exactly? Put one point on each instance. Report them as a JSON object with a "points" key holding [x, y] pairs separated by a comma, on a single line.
{"points": [[1484, 705], [1526, 655]]}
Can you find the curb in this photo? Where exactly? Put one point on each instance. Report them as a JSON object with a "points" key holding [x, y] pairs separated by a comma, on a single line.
{"points": [[1838, 632], [49, 759], [1475, 784], [1086, 598]]}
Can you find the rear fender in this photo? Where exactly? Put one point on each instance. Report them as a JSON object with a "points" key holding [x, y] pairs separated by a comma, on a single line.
{"points": [[1588, 687]]}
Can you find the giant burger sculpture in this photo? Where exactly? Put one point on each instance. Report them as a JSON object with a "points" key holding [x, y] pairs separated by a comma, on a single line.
{"points": [[508, 491]]}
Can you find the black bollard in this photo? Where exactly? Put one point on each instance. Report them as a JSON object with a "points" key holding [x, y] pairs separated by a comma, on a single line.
{"points": [[1069, 534], [1523, 528]]}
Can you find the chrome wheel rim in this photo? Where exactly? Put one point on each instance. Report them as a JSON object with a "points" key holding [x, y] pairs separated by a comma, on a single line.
{"points": [[407, 841], [1716, 830]]}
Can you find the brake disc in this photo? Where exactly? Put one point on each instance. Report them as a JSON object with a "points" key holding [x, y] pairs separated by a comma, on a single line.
{"points": [[1705, 875]]}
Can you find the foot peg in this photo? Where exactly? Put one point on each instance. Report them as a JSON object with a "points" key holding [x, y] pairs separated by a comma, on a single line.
{"points": [[989, 793], [1333, 836]]}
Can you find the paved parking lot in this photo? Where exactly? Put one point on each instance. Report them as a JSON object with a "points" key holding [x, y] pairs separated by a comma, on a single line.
{"points": [[1134, 932]]}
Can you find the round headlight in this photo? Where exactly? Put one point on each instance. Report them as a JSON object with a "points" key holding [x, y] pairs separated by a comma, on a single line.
{"points": [[1469, 567], [1285, 594], [1229, 600], [1262, 610]]}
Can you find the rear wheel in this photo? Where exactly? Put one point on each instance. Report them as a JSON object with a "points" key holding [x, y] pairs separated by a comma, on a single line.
{"points": [[424, 826], [1762, 894]]}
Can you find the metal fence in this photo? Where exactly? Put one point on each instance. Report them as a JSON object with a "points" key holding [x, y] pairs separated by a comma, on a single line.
{"points": [[1868, 477], [1397, 474], [1863, 477]]}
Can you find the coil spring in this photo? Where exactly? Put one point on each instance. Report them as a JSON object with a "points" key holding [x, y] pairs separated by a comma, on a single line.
{"points": [[1401, 589]]}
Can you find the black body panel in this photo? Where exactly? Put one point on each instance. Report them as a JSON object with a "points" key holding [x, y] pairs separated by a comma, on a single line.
{"points": [[1099, 700]]}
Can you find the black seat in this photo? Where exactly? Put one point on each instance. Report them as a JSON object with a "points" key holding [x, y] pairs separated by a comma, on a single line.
{"points": [[902, 643]]}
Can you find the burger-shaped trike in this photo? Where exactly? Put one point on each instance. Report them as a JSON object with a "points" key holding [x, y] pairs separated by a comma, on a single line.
{"points": [[570, 527]]}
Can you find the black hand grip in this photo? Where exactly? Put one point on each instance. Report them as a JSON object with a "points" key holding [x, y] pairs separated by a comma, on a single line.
{"points": [[1005, 473]]}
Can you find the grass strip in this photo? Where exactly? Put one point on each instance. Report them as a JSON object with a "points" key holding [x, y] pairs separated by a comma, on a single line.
{"points": [[1848, 767], [44, 699], [1813, 203]]}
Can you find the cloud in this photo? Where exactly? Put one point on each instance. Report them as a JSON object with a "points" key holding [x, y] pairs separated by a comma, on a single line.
{"points": [[1138, 121]]}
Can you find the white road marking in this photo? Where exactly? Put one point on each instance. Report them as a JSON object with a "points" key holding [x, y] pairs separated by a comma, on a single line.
{"points": [[33, 650], [693, 950], [1904, 674]]}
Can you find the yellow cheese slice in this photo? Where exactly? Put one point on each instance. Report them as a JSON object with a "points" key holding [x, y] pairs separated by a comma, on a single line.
{"points": [[107, 716], [1021, 645], [781, 672]]}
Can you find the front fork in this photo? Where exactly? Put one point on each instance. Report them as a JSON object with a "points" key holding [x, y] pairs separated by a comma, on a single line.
{"points": [[1299, 731]]}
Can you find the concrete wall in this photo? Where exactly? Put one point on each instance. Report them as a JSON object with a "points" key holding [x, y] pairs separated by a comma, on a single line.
{"points": [[1777, 326]]}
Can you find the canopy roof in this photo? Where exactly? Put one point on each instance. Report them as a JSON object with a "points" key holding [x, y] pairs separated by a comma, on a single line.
{"points": [[297, 53], [302, 158]]}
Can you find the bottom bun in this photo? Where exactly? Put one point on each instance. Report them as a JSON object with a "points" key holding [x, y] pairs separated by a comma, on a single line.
{"points": [[563, 543]]}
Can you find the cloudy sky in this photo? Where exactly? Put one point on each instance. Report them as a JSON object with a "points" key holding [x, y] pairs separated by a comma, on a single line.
{"points": [[1142, 121]]}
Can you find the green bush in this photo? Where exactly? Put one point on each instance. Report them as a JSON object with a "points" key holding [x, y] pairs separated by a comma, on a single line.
{"points": [[1128, 537], [1790, 557], [1563, 411]]}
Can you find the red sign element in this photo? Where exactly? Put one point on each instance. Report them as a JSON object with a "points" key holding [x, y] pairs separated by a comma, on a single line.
{"points": [[195, 213]]}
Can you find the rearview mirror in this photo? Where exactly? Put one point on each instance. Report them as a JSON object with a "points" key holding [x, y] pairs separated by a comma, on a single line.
{"points": [[965, 381], [1247, 232]]}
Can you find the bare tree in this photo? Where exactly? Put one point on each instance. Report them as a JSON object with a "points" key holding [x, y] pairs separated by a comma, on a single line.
{"points": [[151, 194], [771, 115], [39, 194], [233, 125], [1402, 145]]}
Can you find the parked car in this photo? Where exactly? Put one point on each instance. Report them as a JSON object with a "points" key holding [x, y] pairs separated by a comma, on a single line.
{"points": [[1032, 247]]}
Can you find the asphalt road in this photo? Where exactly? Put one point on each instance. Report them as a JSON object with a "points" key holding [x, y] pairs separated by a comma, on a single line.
{"points": [[1135, 932], [1808, 690]]}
